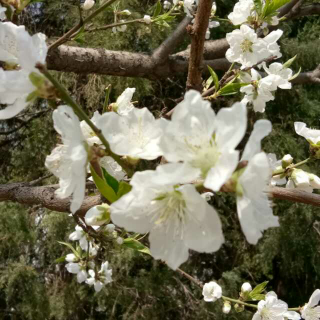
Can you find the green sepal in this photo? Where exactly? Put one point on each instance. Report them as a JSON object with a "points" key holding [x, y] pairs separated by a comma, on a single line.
{"points": [[103, 187], [136, 245], [214, 78]]}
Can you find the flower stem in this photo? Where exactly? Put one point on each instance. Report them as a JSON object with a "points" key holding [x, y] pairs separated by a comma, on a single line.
{"points": [[240, 302], [292, 166], [64, 95]]}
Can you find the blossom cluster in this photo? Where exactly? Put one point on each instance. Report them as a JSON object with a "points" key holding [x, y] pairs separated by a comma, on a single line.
{"points": [[269, 306]]}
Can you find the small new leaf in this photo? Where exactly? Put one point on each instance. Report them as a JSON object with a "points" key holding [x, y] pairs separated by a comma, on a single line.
{"points": [[70, 247], [289, 62], [136, 245], [231, 88], [255, 294], [214, 78], [103, 187], [158, 9]]}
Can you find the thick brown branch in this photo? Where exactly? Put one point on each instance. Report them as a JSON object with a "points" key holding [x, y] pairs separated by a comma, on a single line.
{"points": [[198, 33], [294, 195], [304, 11], [45, 196], [168, 46]]}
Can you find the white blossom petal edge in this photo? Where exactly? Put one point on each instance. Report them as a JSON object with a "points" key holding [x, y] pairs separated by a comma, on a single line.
{"points": [[211, 291], [177, 217], [68, 162], [311, 311], [135, 135]]}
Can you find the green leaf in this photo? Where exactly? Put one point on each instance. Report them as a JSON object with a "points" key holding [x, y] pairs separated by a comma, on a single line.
{"points": [[103, 187], [70, 247], [214, 78], [36, 79], [271, 6], [158, 9], [294, 76], [258, 6], [257, 297], [60, 260], [231, 88], [124, 188], [136, 245], [208, 83], [33, 95], [111, 181], [288, 63], [80, 36], [257, 290]]}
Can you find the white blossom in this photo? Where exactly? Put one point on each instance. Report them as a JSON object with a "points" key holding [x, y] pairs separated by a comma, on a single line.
{"points": [[253, 206], [103, 277], [78, 269], [88, 4], [112, 167], [89, 135], [15, 87], [97, 215], [241, 12], [205, 142], [119, 240], [2, 13], [189, 6], [246, 287], [273, 308], [303, 181], [68, 162], [226, 307], [280, 75], [123, 105], [147, 19], [71, 257], [247, 49], [121, 28], [136, 135], [80, 235], [312, 135], [177, 217], [18, 47], [211, 291], [110, 227], [311, 311], [275, 165], [166, 5], [259, 92]]}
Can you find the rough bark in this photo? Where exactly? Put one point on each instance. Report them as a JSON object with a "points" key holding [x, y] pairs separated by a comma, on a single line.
{"points": [[198, 32], [45, 196]]}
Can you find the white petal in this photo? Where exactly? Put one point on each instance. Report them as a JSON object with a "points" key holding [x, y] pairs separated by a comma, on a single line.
{"points": [[314, 299], [261, 129], [166, 245], [203, 232], [231, 126], [222, 171]]}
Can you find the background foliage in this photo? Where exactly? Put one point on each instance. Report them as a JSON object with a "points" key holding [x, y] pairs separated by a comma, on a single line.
{"points": [[34, 287]]}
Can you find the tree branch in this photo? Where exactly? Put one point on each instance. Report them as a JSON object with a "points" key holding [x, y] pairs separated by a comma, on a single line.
{"points": [[167, 47], [294, 195], [28, 195], [198, 33]]}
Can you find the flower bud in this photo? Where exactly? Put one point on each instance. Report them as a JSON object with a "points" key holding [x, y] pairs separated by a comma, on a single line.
{"points": [[211, 291], [300, 178], [119, 241], [246, 287], [88, 4], [71, 257], [238, 307], [98, 215], [147, 19], [286, 161], [110, 227], [126, 12], [226, 307], [314, 181]]}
